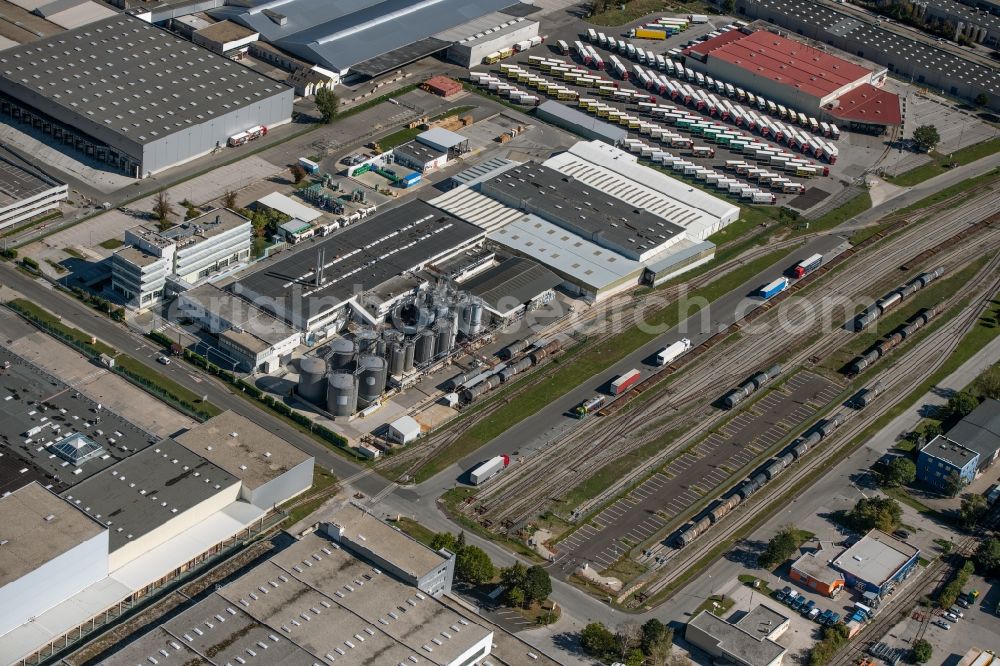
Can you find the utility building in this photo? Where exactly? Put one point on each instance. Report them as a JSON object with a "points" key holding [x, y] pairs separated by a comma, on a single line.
{"points": [[135, 97], [877, 563]]}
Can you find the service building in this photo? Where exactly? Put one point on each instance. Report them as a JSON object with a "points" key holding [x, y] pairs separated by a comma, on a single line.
{"points": [[134, 97], [26, 191], [941, 460], [813, 571], [877, 563], [751, 641]]}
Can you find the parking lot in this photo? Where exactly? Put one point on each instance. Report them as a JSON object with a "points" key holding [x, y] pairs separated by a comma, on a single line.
{"points": [[979, 628], [650, 507]]}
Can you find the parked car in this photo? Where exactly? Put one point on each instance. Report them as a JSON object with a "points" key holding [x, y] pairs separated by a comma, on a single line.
{"points": [[956, 611], [901, 534], [163, 359], [824, 616], [964, 603], [814, 614], [791, 597], [799, 602], [808, 607], [783, 593], [951, 617], [941, 623], [834, 619]]}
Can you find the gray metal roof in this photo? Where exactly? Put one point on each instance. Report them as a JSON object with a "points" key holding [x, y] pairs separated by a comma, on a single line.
{"points": [[554, 111], [511, 283], [980, 431], [736, 642], [124, 77], [875, 558], [361, 257], [586, 211], [343, 34], [948, 450], [143, 492]]}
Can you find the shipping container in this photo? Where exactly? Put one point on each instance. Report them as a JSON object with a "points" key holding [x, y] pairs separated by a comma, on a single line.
{"points": [[563, 47], [773, 288], [488, 469], [625, 382], [650, 33], [698, 18]]}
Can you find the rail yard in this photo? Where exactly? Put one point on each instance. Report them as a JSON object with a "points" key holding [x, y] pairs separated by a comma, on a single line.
{"points": [[577, 336]]}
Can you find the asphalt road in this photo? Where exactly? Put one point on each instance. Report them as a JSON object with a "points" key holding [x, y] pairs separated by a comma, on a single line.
{"points": [[553, 421], [78, 315]]}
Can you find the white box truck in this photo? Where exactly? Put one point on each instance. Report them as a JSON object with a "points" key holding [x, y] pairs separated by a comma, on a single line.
{"points": [[672, 352]]}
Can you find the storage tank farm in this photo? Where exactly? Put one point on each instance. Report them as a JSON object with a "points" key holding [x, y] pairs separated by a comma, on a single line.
{"points": [[342, 393], [371, 379]]}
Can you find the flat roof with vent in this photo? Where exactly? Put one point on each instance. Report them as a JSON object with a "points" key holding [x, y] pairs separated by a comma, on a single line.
{"points": [[143, 492], [875, 558], [122, 77], [948, 450], [36, 526], [242, 448]]}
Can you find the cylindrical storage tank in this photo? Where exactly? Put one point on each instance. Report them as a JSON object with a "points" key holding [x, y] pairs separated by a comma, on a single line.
{"points": [[312, 379], [397, 359], [341, 355], [371, 379], [341, 394], [476, 325], [380, 347], [409, 349], [366, 339], [426, 346], [513, 349], [444, 327]]}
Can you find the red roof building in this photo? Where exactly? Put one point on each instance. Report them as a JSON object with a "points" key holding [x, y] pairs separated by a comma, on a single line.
{"points": [[443, 86], [797, 75]]}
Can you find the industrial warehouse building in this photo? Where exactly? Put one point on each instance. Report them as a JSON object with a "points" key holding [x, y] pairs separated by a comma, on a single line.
{"points": [[750, 641], [323, 599], [970, 447], [368, 38], [593, 216], [122, 513], [26, 191], [800, 76], [580, 123], [134, 97], [155, 264], [359, 272], [922, 63], [876, 563]]}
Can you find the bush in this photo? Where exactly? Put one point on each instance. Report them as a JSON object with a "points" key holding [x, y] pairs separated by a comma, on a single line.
{"points": [[161, 338], [8, 253], [28, 262], [834, 638], [949, 595], [921, 651]]}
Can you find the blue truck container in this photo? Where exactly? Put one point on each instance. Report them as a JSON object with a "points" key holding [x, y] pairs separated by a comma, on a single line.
{"points": [[773, 288], [308, 165], [410, 179]]}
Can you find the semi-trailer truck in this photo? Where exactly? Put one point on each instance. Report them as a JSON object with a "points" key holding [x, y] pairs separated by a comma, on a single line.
{"points": [[672, 352], [625, 381], [807, 265], [773, 288], [489, 469]]}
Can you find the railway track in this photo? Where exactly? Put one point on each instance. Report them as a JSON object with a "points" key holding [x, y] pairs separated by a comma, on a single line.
{"points": [[524, 489], [923, 359]]}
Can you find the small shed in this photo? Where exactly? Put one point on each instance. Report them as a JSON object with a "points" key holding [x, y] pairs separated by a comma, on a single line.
{"points": [[443, 86], [404, 430]]}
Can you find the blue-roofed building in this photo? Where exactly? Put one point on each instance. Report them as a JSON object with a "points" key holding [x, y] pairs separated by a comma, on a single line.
{"points": [[941, 458], [367, 37]]}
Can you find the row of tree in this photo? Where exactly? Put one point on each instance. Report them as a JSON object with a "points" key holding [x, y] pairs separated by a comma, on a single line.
{"points": [[632, 644]]}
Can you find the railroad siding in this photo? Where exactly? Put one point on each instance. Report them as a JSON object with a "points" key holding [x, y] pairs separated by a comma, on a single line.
{"points": [[686, 480]]}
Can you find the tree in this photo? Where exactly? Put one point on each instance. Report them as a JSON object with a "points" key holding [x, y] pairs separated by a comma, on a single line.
{"points": [[899, 471], [883, 513], [327, 104], [537, 584], [229, 199], [597, 641], [628, 638], [932, 430], [298, 173], [973, 508], [981, 99], [656, 641], [443, 540], [162, 209], [952, 484], [987, 556], [921, 651], [781, 546], [961, 404], [512, 578], [473, 565], [988, 383], [926, 137]]}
